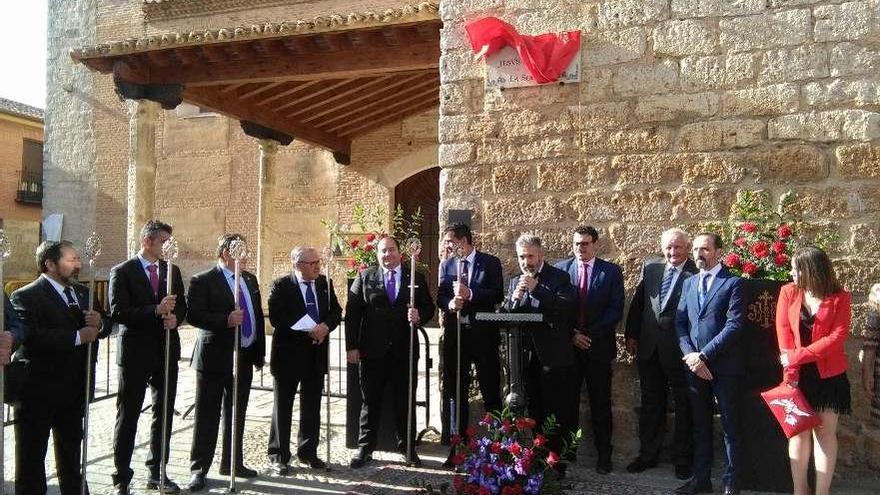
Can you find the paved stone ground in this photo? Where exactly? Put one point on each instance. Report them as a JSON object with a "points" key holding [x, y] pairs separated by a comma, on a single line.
{"points": [[386, 475]]}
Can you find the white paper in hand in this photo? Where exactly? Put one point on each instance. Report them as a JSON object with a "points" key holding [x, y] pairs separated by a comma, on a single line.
{"points": [[305, 324]]}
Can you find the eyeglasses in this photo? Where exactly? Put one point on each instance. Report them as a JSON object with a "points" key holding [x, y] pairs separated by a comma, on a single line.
{"points": [[583, 243], [312, 263]]}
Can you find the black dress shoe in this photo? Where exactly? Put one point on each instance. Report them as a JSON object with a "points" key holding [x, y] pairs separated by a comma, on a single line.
{"points": [[196, 483], [360, 459], [604, 466], [731, 490], [169, 486], [120, 489], [312, 462], [683, 471], [639, 465], [412, 460], [693, 487], [240, 472]]}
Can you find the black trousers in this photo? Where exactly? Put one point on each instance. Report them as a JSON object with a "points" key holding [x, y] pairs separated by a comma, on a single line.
{"points": [[374, 375], [310, 384], [596, 374], [655, 381], [550, 390], [133, 382], [480, 350], [47, 408], [214, 390]]}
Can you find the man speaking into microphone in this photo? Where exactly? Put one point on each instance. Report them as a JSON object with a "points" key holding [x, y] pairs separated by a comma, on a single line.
{"points": [[549, 365]]}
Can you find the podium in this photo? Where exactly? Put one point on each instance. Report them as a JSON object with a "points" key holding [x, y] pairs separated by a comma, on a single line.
{"points": [[512, 322]]}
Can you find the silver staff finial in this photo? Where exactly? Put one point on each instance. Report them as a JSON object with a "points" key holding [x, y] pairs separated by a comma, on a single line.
{"points": [[413, 246], [5, 247], [170, 249], [93, 247], [238, 249], [327, 254]]}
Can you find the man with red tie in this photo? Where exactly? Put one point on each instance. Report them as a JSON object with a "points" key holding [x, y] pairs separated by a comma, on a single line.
{"points": [[598, 310], [212, 310], [140, 305]]}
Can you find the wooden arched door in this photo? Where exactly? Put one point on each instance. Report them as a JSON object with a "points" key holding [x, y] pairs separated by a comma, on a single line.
{"points": [[423, 191]]}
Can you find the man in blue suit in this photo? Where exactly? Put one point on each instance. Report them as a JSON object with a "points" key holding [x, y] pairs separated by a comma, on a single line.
{"points": [[599, 308], [709, 319], [478, 288]]}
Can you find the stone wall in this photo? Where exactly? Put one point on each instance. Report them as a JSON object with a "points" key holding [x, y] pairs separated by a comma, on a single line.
{"points": [[681, 104]]}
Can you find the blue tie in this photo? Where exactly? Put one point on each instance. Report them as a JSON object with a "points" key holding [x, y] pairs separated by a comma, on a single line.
{"points": [[247, 327], [391, 287], [311, 302], [666, 284], [704, 283]]}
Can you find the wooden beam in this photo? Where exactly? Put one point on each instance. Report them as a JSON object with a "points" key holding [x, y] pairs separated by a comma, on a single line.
{"points": [[381, 101], [213, 100], [353, 87], [310, 96], [188, 56], [401, 114], [158, 58], [299, 87], [213, 55], [367, 93], [344, 65], [358, 119], [261, 89]]}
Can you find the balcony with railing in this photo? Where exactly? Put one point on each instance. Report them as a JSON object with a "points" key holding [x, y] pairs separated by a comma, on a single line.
{"points": [[30, 188]]}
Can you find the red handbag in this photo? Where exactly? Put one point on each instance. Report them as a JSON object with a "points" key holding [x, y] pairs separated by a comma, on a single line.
{"points": [[791, 409]]}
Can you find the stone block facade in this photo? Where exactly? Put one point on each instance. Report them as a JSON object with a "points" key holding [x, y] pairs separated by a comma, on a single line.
{"points": [[681, 104]]}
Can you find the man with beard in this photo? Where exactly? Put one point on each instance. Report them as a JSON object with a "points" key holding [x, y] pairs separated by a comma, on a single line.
{"points": [[377, 335], [550, 374], [59, 329], [708, 321], [651, 337], [144, 311]]}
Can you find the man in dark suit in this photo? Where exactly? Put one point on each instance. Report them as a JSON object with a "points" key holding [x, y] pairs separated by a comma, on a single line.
{"points": [[652, 338], [377, 335], [299, 355], [479, 287], [139, 303], [598, 310], [59, 328], [211, 308], [708, 322], [550, 374]]}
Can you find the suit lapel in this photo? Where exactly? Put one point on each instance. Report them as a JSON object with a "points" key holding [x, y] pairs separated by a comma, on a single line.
{"points": [[53, 295], [656, 281], [220, 277], [573, 272], [139, 274], [720, 280]]}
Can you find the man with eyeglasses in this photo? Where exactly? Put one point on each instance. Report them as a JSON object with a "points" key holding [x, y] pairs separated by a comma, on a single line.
{"points": [[599, 308], [303, 310]]}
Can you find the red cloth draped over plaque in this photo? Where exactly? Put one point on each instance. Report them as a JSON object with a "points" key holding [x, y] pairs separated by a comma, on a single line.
{"points": [[545, 56]]}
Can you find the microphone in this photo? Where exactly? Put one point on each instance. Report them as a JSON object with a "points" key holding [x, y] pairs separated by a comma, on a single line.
{"points": [[518, 301]]}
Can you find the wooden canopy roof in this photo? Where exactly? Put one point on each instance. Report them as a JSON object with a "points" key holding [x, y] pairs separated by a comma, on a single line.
{"points": [[320, 85]]}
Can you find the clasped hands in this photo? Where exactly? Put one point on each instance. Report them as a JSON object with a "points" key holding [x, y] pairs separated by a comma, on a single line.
{"points": [[462, 294], [165, 309], [697, 365]]}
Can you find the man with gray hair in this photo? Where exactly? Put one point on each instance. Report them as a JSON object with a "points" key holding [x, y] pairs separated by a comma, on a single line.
{"points": [[303, 310], [550, 374], [651, 337]]}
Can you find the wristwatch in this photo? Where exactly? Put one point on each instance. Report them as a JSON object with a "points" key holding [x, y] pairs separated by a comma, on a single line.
{"points": [[703, 358]]}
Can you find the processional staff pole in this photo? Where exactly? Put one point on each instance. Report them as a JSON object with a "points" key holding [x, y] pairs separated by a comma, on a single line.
{"points": [[169, 252], [413, 247], [5, 251], [92, 251], [238, 251]]}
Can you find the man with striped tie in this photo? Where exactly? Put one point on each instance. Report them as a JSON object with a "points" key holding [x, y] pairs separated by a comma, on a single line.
{"points": [[652, 339], [303, 311], [211, 307]]}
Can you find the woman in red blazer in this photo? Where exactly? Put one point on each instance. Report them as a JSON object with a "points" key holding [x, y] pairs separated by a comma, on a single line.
{"points": [[812, 324]]}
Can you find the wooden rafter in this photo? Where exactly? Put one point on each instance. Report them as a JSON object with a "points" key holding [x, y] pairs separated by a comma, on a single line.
{"points": [[392, 116], [368, 93], [401, 103], [378, 104]]}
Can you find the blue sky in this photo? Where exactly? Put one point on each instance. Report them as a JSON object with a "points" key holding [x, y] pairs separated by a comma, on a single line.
{"points": [[23, 51]]}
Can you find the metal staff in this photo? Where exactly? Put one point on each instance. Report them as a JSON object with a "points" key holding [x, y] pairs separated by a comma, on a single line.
{"points": [[328, 256], [5, 251], [413, 247], [169, 252], [92, 251], [459, 253], [238, 252]]}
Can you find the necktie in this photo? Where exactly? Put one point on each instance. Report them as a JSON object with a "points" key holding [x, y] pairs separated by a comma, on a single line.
{"points": [[391, 287], [73, 307], [704, 288], [154, 279], [247, 327], [666, 284], [583, 288], [463, 276], [311, 302]]}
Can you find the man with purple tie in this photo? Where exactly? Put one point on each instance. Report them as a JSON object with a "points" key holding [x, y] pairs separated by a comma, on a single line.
{"points": [[211, 307]]}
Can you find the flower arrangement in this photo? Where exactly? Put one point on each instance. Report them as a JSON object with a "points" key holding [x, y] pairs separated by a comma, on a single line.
{"points": [[762, 238], [511, 459], [360, 247]]}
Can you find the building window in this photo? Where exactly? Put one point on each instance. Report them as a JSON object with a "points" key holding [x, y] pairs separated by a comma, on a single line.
{"points": [[30, 187]]}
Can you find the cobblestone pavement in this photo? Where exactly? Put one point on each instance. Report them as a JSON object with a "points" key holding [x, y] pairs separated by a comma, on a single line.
{"points": [[386, 475]]}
